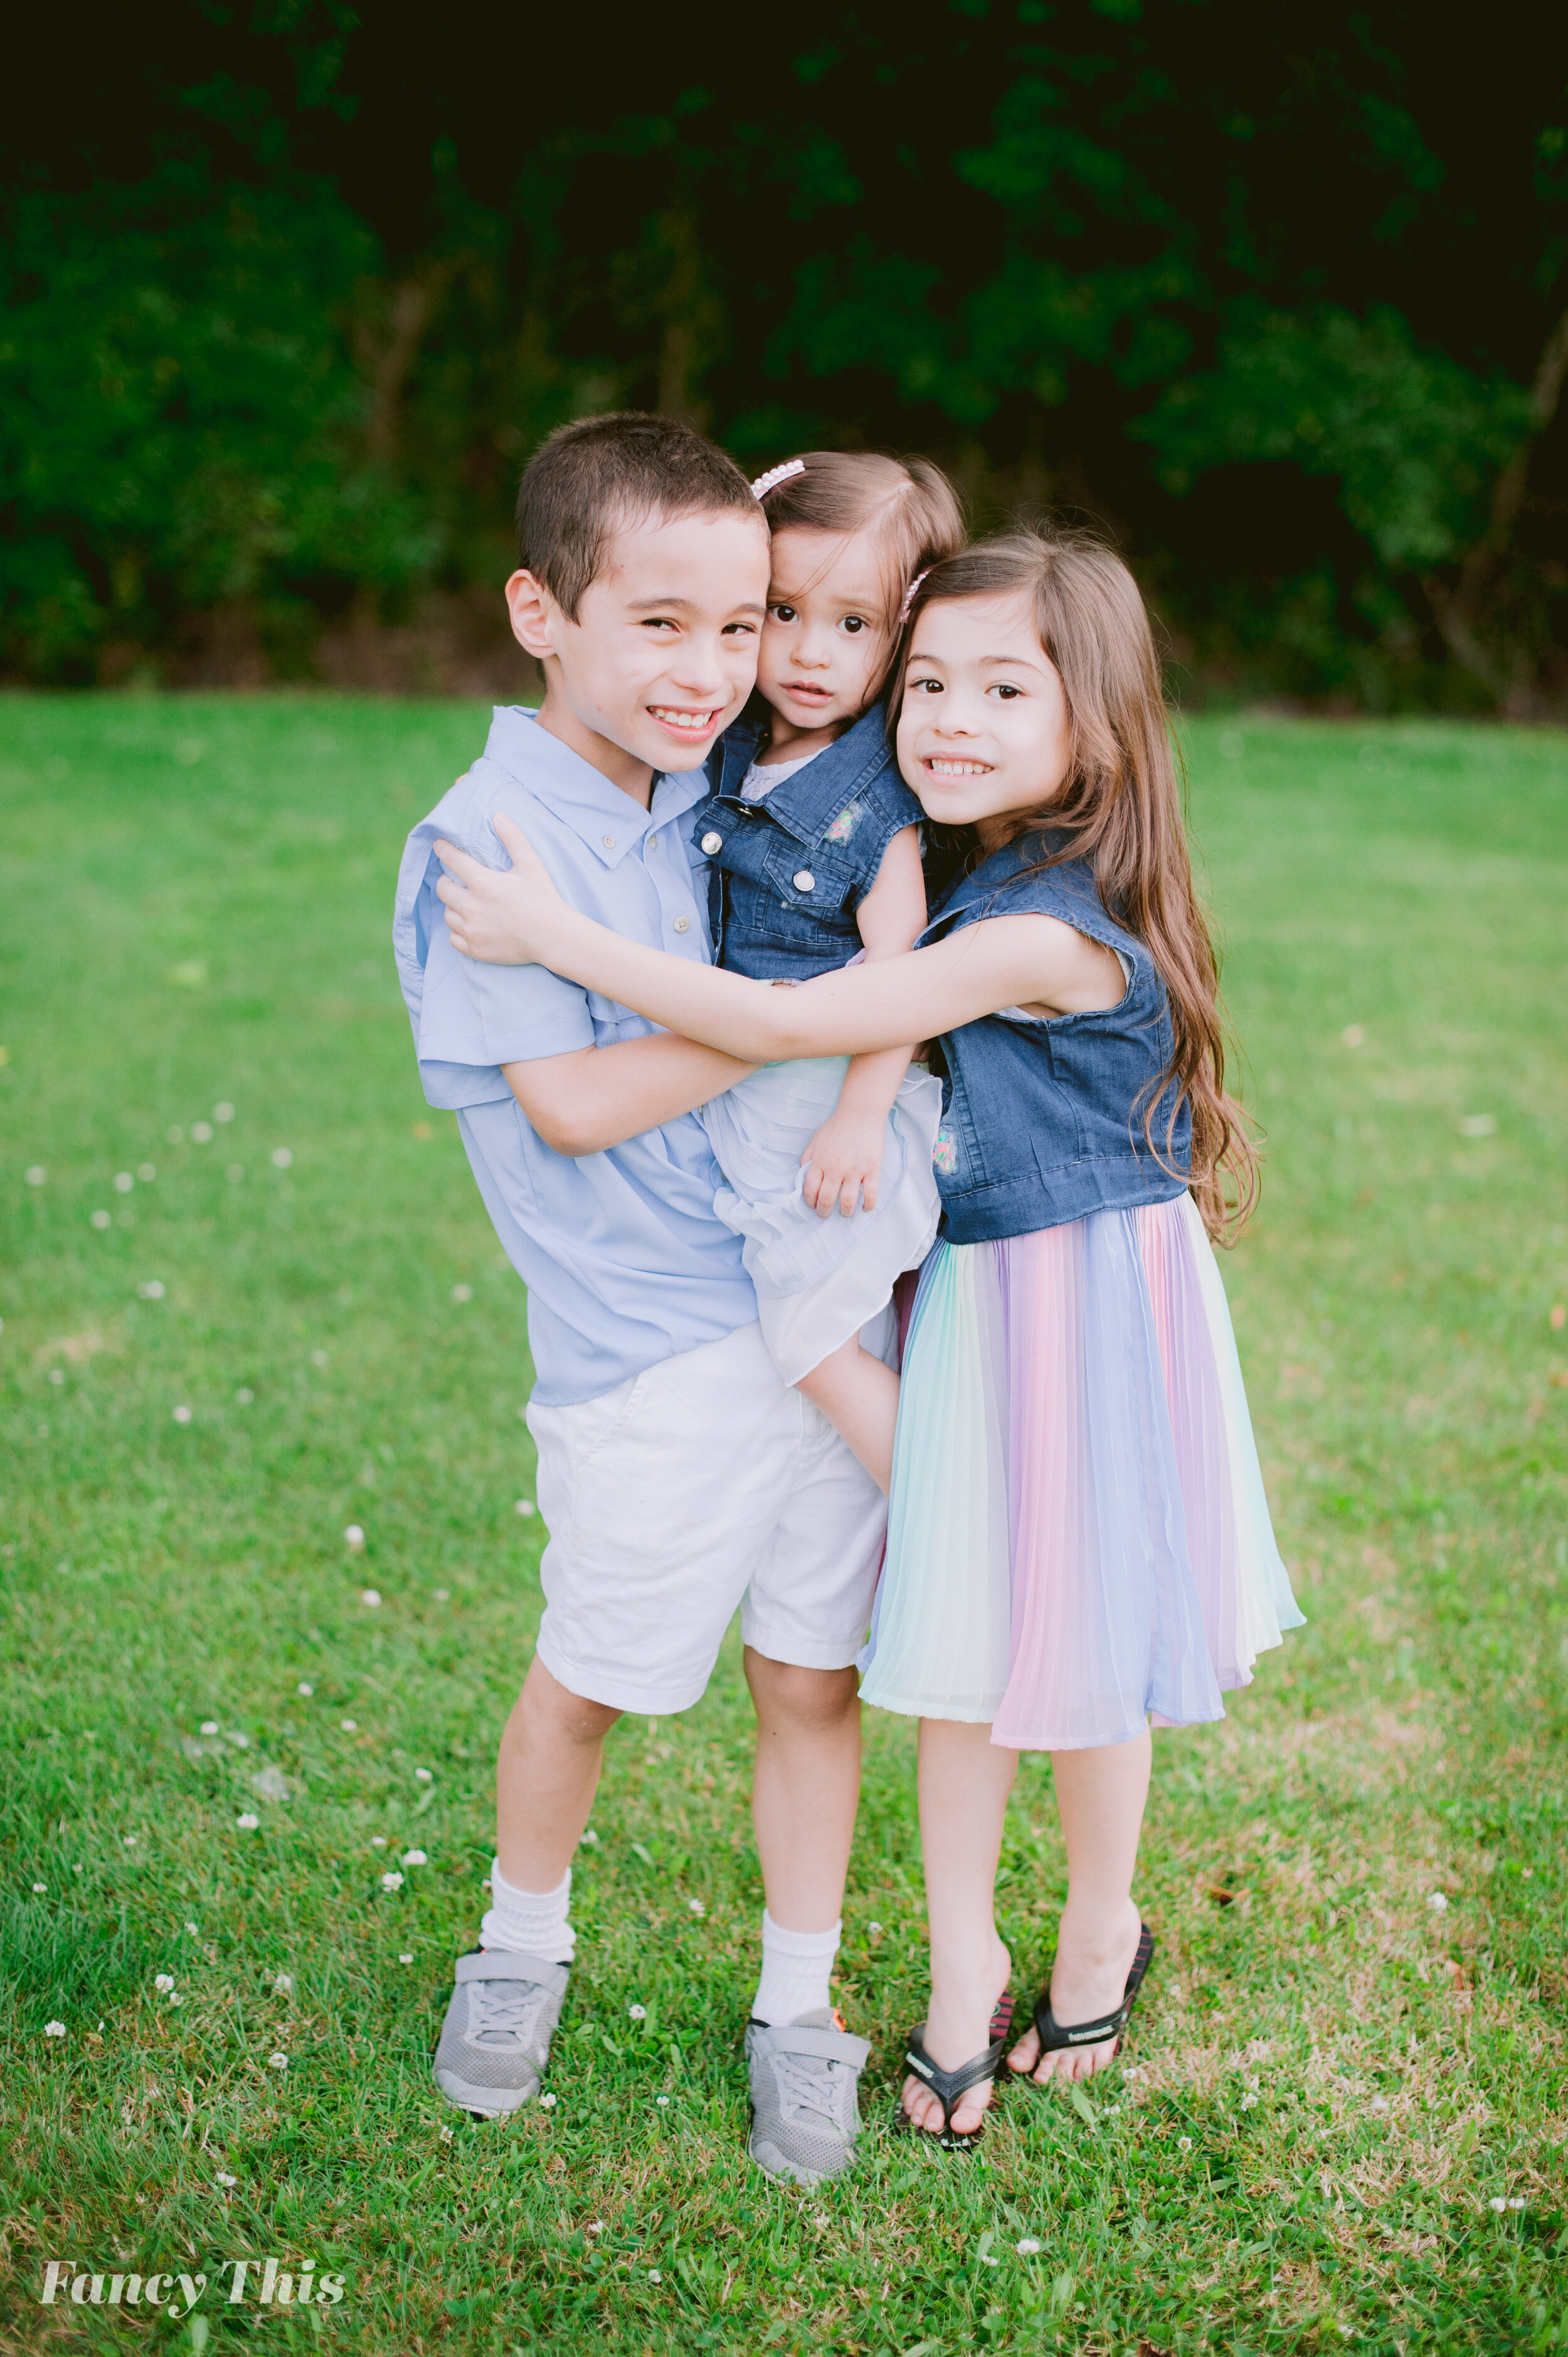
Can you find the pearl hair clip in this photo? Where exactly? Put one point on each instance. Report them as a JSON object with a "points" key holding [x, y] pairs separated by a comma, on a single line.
{"points": [[775, 476], [909, 597]]}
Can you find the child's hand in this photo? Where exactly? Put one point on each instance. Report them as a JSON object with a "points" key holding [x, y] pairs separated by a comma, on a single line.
{"points": [[501, 920], [844, 1163]]}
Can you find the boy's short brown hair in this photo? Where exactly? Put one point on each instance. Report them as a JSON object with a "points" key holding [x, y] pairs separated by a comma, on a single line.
{"points": [[594, 477]]}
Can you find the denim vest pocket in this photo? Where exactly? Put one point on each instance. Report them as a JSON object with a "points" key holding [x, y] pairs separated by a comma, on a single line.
{"points": [[804, 894]]}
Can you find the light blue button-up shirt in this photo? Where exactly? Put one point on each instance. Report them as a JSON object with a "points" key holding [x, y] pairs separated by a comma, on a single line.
{"points": [[625, 1260]]}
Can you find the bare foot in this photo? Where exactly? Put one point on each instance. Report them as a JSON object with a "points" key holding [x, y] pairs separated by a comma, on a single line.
{"points": [[1093, 1960], [958, 2027]]}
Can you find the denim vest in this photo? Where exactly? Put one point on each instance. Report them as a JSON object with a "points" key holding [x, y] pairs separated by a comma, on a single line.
{"points": [[1043, 1122], [786, 875]]}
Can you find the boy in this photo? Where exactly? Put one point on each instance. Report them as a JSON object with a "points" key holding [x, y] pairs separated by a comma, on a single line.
{"points": [[678, 1476]]}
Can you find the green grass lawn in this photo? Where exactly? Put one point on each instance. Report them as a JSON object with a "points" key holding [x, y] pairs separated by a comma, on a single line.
{"points": [[1344, 2113]]}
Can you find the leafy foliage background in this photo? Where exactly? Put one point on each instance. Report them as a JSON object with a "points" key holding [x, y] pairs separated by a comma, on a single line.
{"points": [[286, 297]]}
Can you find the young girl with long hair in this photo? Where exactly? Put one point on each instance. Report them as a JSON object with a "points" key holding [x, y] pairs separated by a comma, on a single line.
{"points": [[1079, 1541]]}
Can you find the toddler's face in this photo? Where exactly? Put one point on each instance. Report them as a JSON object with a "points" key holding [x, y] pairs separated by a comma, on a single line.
{"points": [[984, 731], [825, 639]]}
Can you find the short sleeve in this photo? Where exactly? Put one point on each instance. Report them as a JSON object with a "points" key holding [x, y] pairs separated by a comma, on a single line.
{"points": [[468, 1019]]}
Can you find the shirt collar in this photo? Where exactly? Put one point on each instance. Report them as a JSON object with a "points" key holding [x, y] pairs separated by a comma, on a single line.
{"points": [[604, 818], [806, 804]]}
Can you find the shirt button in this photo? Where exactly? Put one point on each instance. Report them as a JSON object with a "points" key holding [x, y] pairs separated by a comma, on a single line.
{"points": [[804, 881], [609, 841], [682, 924], [652, 841], [711, 843]]}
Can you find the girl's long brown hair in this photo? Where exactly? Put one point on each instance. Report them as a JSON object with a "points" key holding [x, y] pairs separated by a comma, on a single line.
{"points": [[1119, 807]]}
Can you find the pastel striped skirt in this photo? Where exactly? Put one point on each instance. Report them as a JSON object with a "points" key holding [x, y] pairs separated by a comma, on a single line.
{"points": [[1078, 1538]]}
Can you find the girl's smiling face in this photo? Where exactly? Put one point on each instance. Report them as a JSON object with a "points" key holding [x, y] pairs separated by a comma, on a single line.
{"points": [[984, 733], [826, 637]]}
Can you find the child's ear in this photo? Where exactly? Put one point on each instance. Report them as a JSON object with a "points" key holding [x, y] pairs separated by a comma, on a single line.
{"points": [[534, 615]]}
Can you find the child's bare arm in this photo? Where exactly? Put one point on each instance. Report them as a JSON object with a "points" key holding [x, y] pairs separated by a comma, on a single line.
{"points": [[843, 1160], [594, 1098]]}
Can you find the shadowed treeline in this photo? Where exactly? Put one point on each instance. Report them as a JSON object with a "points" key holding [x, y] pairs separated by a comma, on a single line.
{"points": [[288, 297]]}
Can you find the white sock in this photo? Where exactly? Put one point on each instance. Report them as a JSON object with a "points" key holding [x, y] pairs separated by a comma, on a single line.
{"points": [[795, 1968], [532, 1922]]}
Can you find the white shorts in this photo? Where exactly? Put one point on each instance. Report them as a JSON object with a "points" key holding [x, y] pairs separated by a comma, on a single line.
{"points": [[701, 1484]]}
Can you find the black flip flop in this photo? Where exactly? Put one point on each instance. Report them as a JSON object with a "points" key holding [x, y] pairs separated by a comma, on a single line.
{"points": [[949, 2086], [1055, 2035]]}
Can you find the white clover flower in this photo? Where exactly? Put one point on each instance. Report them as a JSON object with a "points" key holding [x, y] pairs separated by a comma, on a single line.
{"points": [[661, 2099], [283, 1984], [305, 1688], [378, 1841], [596, 2226], [36, 1175], [442, 1595], [349, 1725], [1028, 2247], [1515, 2201], [638, 2012], [875, 1930], [154, 1289], [54, 2029], [547, 2103], [525, 1507], [146, 1172], [39, 1889], [1379, 2104], [247, 1821], [462, 1293], [192, 1930], [281, 1157], [445, 2135], [1437, 1903], [123, 1182], [224, 2177], [415, 1858], [354, 1537], [182, 1415], [163, 1981], [223, 1112], [102, 1220], [320, 1359], [1497, 2203], [1249, 2101], [370, 1597], [128, 1841], [244, 1395], [392, 1882], [405, 1960], [176, 1998], [1185, 2143], [423, 1776], [696, 1907], [279, 2062], [201, 1133], [654, 2275], [588, 1839]]}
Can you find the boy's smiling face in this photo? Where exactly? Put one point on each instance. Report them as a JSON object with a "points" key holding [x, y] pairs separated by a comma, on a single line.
{"points": [[662, 654]]}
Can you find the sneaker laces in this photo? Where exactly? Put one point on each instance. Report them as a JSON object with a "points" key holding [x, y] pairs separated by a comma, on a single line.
{"points": [[503, 2013], [803, 2081]]}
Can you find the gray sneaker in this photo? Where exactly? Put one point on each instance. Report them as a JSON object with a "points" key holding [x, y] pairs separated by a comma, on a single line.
{"points": [[805, 2080], [495, 2040]]}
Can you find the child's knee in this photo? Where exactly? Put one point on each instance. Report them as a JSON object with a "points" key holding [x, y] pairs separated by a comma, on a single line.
{"points": [[806, 1701]]}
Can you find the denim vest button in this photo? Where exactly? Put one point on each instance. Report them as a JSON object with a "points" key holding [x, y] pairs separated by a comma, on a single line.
{"points": [[804, 881], [711, 843]]}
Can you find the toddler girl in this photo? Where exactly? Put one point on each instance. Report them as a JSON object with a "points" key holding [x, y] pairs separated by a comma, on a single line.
{"points": [[1077, 1536], [814, 862]]}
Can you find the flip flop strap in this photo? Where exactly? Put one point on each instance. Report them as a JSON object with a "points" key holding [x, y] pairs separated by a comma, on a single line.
{"points": [[949, 2085], [1055, 2035]]}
